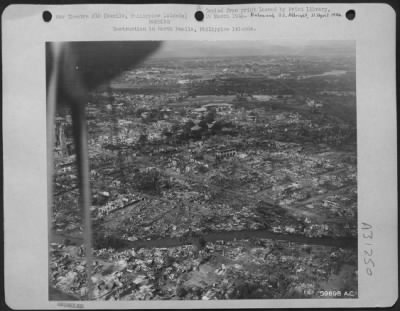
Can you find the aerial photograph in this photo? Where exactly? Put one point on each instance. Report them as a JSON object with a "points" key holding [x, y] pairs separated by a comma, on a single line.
{"points": [[218, 170]]}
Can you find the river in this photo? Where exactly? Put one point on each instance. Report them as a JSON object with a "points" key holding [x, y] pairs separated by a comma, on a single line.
{"points": [[347, 242]]}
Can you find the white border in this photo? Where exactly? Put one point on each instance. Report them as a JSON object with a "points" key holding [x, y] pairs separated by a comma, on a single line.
{"points": [[24, 137]]}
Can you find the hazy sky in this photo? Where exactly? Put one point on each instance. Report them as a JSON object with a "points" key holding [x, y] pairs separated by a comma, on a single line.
{"points": [[253, 48]]}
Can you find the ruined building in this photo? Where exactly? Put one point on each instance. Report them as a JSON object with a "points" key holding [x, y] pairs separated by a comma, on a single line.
{"points": [[62, 142], [225, 154]]}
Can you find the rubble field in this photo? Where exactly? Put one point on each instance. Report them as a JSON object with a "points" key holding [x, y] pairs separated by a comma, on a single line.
{"points": [[214, 189], [256, 268]]}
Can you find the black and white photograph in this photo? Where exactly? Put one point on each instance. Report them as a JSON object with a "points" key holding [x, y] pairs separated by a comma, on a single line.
{"points": [[186, 156], [202, 170]]}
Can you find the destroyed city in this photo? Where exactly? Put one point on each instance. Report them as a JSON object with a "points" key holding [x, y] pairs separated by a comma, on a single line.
{"points": [[217, 171]]}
